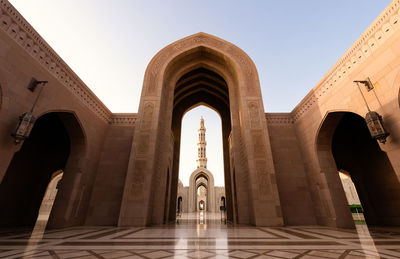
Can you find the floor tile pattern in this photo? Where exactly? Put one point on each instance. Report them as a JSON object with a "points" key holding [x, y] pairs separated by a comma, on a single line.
{"points": [[201, 236]]}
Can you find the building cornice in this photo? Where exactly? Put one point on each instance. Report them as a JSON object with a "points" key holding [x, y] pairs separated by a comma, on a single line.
{"points": [[124, 119], [279, 118], [14, 24], [374, 36]]}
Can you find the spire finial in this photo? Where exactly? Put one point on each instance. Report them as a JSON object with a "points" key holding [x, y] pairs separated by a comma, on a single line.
{"points": [[201, 122]]}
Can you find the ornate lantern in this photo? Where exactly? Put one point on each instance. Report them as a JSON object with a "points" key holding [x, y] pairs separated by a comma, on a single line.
{"points": [[27, 120], [373, 119], [376, 127], [24, 127]]}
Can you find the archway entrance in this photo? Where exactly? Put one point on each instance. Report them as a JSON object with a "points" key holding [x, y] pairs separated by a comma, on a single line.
{"points": [[201, 69], [201, 148], [201, 86], [56, 143], [344, 144], [202, 205], [201, 187], [202, 196]]}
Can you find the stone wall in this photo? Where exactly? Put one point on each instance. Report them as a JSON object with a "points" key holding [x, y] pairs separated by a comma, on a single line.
{"points": [[107, 193], [297, 206]]}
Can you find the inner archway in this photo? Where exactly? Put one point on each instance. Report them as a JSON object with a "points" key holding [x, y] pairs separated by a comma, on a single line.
{"points": [[202, 192], [56, 143], [345, 144], [201, 159], [201, 86], [202, 198]]}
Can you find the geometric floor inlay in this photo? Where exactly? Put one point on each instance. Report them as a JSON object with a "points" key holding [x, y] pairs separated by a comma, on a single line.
{"points": [[201, 236]]}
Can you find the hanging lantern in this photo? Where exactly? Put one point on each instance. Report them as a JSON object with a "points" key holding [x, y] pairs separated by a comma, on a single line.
{"points": [[27, 120], [24, 127], [376, 127]]}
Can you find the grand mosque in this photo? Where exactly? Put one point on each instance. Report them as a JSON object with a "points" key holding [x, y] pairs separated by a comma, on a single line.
{"points": [[112, 179]]}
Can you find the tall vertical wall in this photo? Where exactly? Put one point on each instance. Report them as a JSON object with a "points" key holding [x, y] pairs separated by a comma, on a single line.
{"points": [[294, 192], [107, 193]]}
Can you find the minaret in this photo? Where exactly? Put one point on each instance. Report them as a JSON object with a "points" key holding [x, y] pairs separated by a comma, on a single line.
{"points": [[202, 160]]}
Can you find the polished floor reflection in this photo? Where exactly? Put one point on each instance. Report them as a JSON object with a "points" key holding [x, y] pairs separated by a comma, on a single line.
{"points": [[201, 235]]}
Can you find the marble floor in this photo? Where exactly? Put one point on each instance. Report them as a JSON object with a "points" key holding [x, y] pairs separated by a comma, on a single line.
{"points": [[201, 236]]}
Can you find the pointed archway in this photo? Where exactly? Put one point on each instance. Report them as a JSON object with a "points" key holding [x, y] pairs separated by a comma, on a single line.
{"points": [[201, 176], [57, 142], [344, 143], [182, 75]]}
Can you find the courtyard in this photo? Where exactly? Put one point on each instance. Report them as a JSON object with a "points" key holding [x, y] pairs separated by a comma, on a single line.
{"points": [[201, 235]]}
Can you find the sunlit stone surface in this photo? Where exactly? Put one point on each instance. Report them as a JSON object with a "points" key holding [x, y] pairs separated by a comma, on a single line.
{"points": [[282, 187], [201, 235]]}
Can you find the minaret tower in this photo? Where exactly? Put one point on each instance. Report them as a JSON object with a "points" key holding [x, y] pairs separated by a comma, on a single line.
{"points": [[201, 144]]}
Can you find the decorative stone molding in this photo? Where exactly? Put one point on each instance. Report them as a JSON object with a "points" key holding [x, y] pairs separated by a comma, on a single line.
{"points": [[200, 39], [279, 118], [124, 119], [374, 36], [12, 23]]}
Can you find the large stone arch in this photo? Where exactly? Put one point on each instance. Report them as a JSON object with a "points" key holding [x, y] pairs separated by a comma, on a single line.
{"points": [[246, 147], [344, 143], [76, 128], [328, 205], [57, 142], [193, 188]]}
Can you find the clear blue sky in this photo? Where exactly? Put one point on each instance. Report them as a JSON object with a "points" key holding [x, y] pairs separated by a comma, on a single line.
{"points": [[109, 43]]}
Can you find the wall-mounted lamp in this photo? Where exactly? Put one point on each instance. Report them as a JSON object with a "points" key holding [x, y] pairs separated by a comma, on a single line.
{"points": [[373, 119], [27, 120]]}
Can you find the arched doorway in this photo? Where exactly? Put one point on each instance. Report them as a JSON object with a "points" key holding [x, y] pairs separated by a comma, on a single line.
{"points": [[56, 143], [202, 194], [201, 69], [201, 86], [203, 178], [345, 144], [202, 206]]}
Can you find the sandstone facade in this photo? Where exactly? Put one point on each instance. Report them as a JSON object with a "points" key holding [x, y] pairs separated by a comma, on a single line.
{"points": [[122, 169]]}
